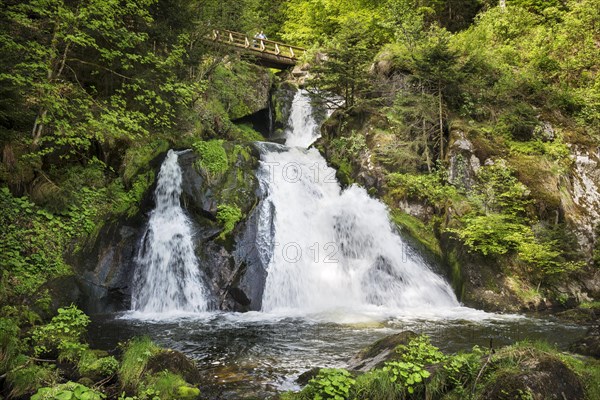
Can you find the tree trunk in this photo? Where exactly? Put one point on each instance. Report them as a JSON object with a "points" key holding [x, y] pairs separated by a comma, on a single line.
{"points": [[441, 121], [425, 135]]}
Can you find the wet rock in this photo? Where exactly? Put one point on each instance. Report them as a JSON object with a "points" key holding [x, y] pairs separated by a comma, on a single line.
{"points": [[175, 362], [590, 344], [281, 105], [306, 376], [377, 354], [105, 270], [544, 378]]}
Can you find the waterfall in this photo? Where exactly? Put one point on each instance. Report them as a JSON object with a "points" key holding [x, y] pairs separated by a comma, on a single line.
{"points": [[302, 128], [333, 248], [168, 277]]}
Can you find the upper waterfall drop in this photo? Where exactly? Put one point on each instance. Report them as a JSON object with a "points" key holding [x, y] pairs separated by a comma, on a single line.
{"points": [[168, 278], [301, 115], [333, 249]]}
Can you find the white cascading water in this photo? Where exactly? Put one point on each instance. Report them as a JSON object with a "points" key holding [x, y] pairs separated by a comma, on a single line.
{"points": [[167, 277], [330, 248]]}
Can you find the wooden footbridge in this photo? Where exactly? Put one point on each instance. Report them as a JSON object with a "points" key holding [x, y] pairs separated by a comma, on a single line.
{"points": [[268, 53]]}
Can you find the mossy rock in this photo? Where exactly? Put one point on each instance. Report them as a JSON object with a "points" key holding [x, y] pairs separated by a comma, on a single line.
{"points": [[175, 362], [380, 352], [537, 377]]}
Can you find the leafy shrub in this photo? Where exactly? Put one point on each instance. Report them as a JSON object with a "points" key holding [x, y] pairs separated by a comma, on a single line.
{"points": [[519, 121], [62, 333], [31, 244], [68, 391], [461, 369], [409, 373], [497, 189], [332, 383], [406, 374], [429, 187], [420, 350], [492, 234]]}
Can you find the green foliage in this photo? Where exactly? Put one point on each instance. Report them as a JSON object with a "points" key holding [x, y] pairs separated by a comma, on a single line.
{"points": [[68, 391], [91, 365], [492, 234], [169, 386], [420, 350], [228, 216], [424, 372], [376, 385], [499, 224], [136, 354], [409, 372], [10, 344], [63, 333], [309, 22], [429, 187], [331, 383], [408, 375], [344, 71], [460, 370], [27, 378], [344, 151], [78, 77], [137, 158], [247, 133], [238, 87], [31, 245], [213, 158]]}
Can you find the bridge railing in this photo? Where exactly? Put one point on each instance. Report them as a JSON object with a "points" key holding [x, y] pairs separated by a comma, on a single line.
{"points": [[259, 45]]}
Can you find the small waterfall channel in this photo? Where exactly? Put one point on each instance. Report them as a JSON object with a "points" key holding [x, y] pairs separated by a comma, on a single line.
{"points": [[168, 278]]}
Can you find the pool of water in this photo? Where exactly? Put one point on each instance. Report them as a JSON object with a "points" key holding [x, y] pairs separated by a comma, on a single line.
{"points": [[255, 355]]}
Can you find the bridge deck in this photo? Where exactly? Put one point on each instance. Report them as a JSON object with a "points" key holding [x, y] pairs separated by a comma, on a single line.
{"points": [[269, 53]]}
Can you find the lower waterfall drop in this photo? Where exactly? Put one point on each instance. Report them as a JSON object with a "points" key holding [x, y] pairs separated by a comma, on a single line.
{"points": [[167, 277], [332, 248]]}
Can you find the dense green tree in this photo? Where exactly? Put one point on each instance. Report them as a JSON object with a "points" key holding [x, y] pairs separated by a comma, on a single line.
{"points": [[343, 71]]}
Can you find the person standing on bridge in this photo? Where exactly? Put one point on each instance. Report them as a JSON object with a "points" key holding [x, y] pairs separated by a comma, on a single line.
{"points": [[259, 36]]}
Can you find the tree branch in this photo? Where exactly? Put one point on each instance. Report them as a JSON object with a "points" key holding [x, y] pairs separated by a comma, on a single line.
{"points": [[101, 67]]}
